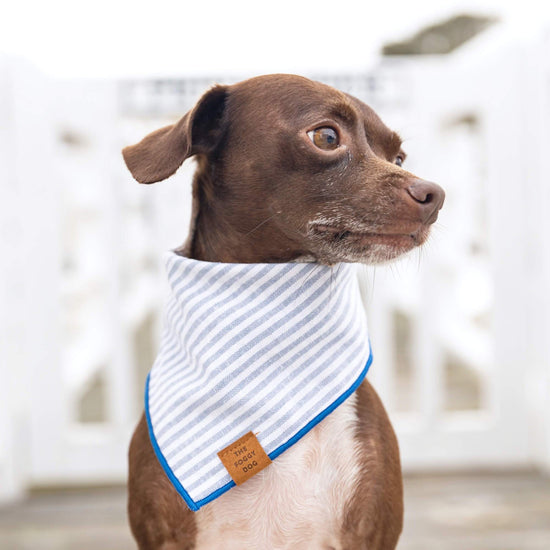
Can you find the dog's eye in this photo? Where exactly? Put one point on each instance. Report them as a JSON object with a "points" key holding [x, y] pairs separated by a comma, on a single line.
{"points": [[325, 138], [399, 160]]}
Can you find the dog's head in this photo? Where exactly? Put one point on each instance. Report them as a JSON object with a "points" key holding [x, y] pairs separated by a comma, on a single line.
{"points": [[289, 168]]}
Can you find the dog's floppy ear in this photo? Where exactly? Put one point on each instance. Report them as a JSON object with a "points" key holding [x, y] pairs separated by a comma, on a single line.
{"points": [[158, 155]]}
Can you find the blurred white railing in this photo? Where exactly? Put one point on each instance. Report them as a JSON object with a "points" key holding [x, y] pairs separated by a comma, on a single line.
{"points": [[458, 330]]}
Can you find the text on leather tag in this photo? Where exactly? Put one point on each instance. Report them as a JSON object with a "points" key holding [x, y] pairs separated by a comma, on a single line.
{"points": [[244, 458]]}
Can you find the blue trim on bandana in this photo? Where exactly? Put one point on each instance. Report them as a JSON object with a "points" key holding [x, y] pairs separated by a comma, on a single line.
{"points": [[194, 506], [167, 470]]}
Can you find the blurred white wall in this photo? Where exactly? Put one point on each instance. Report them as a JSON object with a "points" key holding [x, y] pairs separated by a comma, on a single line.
{"points": [[127, 38]]}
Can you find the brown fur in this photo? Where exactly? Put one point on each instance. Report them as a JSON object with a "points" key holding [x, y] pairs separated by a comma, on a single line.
{"points": [[374, 517], [263, 192], [159, 517]]}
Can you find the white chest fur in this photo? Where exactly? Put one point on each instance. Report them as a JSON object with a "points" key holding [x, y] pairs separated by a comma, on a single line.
{"points": [[297, 502]]}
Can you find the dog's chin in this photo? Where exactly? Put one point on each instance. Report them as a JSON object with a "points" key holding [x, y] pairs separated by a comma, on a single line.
{"points": [[366, 247]]}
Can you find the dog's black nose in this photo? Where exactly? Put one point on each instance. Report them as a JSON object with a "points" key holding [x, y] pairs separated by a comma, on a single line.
{"points": [[429, 196]]}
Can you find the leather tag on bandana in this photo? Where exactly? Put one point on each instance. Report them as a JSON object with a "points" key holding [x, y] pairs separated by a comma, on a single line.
{"points": [[244, 458]]}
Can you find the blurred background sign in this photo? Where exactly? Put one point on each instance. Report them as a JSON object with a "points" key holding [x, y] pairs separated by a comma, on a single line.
{"points": [[460, 330]]}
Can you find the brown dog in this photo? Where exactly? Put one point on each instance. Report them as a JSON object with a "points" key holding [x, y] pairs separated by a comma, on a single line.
{"points": [[289, 170]]}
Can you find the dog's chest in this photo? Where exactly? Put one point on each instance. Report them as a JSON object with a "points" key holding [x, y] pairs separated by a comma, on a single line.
{"points": [[298, 501]]}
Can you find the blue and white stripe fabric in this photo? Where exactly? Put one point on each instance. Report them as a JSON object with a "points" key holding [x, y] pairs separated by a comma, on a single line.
{"points": [[267, 348]]}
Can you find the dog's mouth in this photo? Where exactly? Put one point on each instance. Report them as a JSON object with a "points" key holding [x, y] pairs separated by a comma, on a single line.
{"points": [[391, 237], [358, 244]]}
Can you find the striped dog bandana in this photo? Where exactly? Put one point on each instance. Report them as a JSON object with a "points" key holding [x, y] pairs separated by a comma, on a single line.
{"points": [[264, 348]]}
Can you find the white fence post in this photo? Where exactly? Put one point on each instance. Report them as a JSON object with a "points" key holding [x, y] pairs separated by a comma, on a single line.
{"points": [[13, 434], [535, 186]]}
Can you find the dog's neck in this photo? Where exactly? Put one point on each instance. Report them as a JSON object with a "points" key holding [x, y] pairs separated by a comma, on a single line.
{"points": [[214, 241], [221, 233]]}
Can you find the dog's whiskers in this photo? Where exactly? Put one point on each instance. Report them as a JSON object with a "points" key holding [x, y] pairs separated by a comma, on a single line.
{"points": [[316, 266], [261, 223]]}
